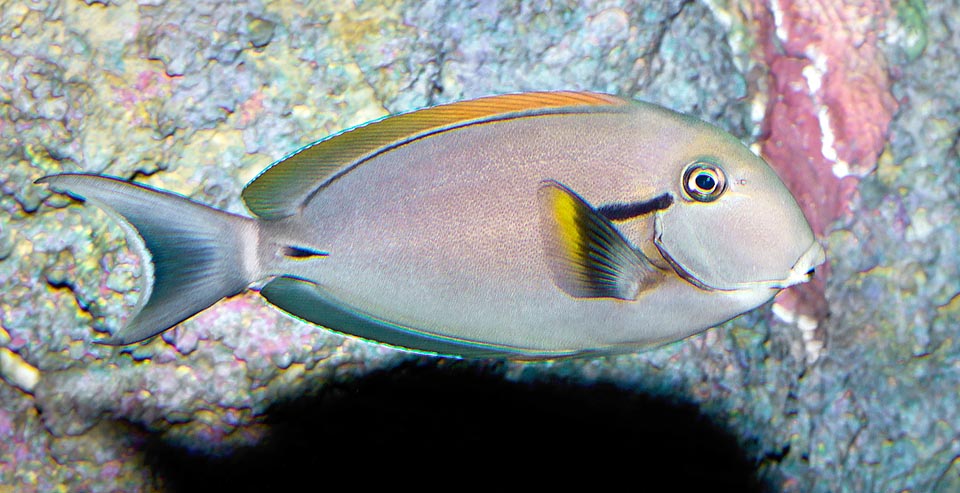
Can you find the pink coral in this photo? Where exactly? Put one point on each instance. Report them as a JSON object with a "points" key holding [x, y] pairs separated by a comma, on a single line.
{"points": [[829, 108]]}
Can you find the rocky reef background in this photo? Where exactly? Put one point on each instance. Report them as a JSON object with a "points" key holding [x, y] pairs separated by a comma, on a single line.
{"points": [[850, 384]]}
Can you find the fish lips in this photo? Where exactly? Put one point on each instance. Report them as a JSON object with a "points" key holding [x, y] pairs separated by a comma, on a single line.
{"points": [[802, 270]]}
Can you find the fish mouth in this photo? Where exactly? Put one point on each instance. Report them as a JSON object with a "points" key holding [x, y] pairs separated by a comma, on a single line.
{"points": [[802, 271]]}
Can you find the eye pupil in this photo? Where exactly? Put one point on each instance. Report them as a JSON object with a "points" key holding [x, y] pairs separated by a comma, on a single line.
{"points": [[705, 182]]}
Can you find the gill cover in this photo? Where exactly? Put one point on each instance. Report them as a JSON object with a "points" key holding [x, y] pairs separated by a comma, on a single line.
{"points": [[734, 225]]}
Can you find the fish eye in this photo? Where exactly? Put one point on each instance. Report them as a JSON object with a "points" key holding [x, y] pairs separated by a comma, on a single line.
{"points": [[703, 182]]}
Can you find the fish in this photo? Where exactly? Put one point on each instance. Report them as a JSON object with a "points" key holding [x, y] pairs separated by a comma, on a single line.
{"points": [[524, 226]]}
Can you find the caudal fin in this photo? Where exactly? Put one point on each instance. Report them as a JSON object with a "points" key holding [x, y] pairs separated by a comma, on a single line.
{"points": [[197, 255]]}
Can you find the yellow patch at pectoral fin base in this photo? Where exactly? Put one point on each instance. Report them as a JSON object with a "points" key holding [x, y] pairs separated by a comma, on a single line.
{"points": [[585, 252]]}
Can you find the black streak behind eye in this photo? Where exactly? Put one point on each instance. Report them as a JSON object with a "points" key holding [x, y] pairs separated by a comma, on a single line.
{"points": [[622, 212], [301, 252]]}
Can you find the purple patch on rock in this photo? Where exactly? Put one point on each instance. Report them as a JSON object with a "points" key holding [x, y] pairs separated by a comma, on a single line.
{"points": [[6, 426]]}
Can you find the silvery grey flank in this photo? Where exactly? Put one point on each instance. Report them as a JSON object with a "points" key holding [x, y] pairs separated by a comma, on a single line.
{"points": [[532, 225]]}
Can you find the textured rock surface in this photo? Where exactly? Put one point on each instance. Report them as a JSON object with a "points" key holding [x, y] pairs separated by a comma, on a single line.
{"points": [[198, 97]]}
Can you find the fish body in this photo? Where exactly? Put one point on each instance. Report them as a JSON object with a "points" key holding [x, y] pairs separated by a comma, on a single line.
{"points": [[532, 225]]}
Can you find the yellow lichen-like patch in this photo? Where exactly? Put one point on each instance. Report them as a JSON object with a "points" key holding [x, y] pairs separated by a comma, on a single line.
{"points": [[354, 26]]}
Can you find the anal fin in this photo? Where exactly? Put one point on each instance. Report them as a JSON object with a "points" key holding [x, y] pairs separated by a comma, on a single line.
{"points": [[310, 302]]}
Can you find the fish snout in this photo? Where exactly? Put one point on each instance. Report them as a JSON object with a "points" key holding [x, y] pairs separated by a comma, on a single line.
{"points": [[806, 265]]}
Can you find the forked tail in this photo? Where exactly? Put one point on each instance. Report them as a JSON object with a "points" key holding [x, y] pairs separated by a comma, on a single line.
{"points": [[194, 255]]}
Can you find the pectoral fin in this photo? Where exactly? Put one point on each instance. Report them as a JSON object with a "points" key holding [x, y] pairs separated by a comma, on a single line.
{"points": [[585, 252]]}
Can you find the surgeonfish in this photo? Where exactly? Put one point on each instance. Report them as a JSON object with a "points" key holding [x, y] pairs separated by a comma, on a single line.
{"points": [[530, 226]]}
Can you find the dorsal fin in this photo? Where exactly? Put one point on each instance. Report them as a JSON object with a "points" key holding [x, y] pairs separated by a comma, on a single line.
{"points": [[284, 186]]}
